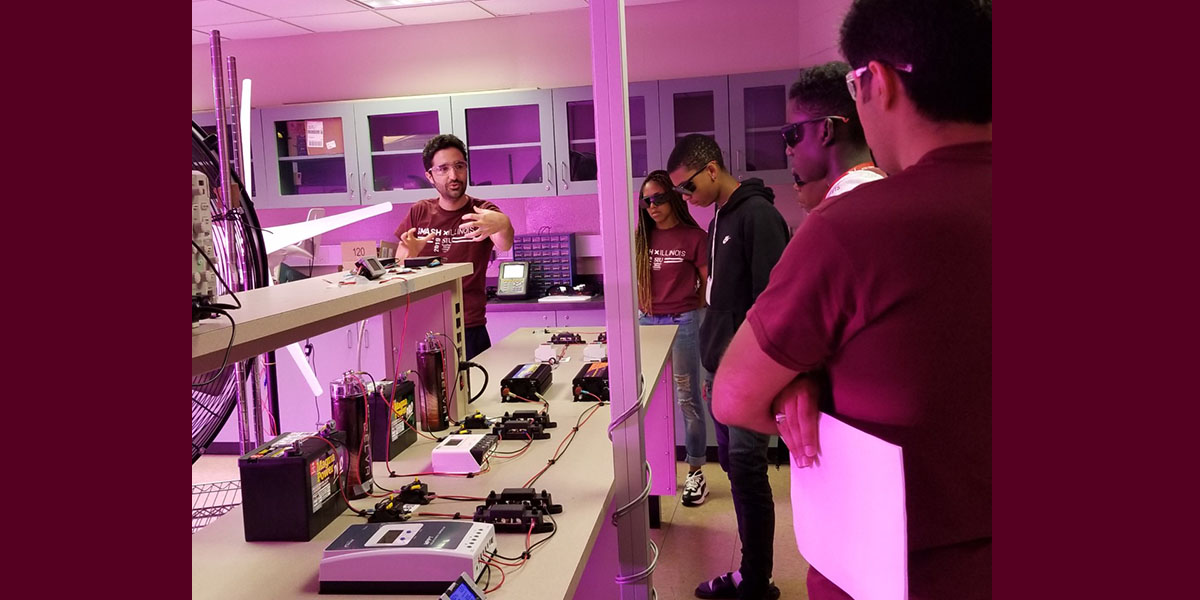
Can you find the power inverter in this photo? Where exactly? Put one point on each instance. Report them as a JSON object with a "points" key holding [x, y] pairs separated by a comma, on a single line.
{"points": [[292, 487], [525, 382], [391, 428], [591, 383]]}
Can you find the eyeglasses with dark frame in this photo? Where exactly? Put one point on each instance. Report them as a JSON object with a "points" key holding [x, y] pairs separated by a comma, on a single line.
{"points": [[442, 170], [853, 76], [658, 199], [792, 132], [687, 188]]}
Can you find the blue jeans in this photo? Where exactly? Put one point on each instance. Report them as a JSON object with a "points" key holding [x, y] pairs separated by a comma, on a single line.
{"points": [[685, 363], [743, 455]]}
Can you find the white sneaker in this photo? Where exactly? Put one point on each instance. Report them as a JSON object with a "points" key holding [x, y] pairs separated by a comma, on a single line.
{"points": [[694, 489]]}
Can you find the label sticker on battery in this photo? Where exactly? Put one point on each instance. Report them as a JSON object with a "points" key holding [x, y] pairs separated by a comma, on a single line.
{"points": [[288, 438], [322, 478], [403, 411]]}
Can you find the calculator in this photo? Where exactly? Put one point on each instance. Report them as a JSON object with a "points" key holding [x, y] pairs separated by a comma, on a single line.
{"points": [[514, 280]]}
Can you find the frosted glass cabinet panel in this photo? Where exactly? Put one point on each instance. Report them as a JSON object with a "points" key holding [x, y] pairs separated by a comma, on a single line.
{"points": [[757, 110], [575, 136], [699, 105], [391, 137], [510, 142], [207, 120], [311, 161]]}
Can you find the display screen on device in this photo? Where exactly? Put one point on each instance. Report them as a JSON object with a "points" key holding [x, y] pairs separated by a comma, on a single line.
{"points": [[512, 271], [462, 592]]}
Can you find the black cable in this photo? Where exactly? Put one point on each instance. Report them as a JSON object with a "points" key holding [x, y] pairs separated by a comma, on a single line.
{"points": [[529, 553], [224, 361], [466, 366]]}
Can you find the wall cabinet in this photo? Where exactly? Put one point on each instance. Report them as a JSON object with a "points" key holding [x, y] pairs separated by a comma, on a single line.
{"points": [[526, 143], [510, 140], [391, 136], [756, 113], [310, 156], [742, 113], [575, 136]]}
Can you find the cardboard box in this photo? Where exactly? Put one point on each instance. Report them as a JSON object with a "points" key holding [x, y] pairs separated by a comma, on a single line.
{"points": [[323, 136], [403, 142], [352, 251]]}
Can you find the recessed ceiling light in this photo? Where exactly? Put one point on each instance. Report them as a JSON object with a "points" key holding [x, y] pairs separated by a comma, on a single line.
{"points": [[395, 3]]}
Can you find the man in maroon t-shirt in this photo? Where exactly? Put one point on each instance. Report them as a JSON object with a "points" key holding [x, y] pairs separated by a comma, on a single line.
{"points": [[888, 286], [457, 228]]}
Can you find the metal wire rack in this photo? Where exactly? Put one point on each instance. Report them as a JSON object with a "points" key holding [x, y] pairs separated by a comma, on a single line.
{"points": [[211, 500]]}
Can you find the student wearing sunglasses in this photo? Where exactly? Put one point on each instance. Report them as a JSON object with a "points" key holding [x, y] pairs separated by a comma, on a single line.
{"points": [[672, 262], [825, 139], [745, 239]]}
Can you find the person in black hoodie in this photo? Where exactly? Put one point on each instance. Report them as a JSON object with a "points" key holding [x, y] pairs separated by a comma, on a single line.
{"points": [[746, 237]]}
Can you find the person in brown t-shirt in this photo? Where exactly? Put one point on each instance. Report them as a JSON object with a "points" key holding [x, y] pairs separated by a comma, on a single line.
{"points": [[888, 286], [672, 261], [458, 228]]}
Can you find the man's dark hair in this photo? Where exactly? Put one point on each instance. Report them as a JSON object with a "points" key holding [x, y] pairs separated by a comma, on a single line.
{"points": [[821, 90], [694, 151], [439, 143], [947, 42]]}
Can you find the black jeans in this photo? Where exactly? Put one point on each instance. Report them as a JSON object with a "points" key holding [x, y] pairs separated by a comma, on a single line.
{"points": [[743, 456], [476, 340]]}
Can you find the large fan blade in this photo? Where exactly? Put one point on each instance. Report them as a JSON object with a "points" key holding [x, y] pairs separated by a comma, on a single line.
{"points": [[276, 238]]}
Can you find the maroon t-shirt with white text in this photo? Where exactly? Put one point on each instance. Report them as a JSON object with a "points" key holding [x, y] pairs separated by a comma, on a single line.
{"points": [[676, 255], [450, 244]]}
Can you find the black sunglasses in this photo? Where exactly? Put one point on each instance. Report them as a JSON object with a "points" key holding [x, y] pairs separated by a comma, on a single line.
{"points": [[688, 187], [658, 199], [792, 132]]}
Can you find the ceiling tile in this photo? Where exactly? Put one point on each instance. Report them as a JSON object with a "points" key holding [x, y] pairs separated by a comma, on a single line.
{"points": [[526, 7], [344, 22], [260, 29], [299, 8], [440, 13], [211, 12]]}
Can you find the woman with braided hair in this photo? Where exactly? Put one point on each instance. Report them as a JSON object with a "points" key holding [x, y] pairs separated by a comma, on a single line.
{"points": [[672, 261]]}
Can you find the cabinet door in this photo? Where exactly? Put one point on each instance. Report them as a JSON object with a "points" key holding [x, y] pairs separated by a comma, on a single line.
{"points": [[391, 135], [699, 105], [575, 136], [310, 156], [757, 110], [208, 121], [581, 318], [510, 142], [500, 324]]}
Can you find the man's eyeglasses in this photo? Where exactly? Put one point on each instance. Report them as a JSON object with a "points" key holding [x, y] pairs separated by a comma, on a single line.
{"points": [[792, 132], [856, 74], [688, 187], [442, 170], [658, 199]]}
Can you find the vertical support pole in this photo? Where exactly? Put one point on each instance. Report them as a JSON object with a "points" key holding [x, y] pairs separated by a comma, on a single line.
{"points": [[235, 121], [617, 224]]}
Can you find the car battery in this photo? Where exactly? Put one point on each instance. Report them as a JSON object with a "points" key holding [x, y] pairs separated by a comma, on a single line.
{"points": [[525, 382], [591, 383], [292, 486], [392, 417]]}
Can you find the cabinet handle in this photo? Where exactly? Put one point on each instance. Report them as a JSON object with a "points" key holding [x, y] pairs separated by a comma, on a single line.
{"points": [[362, 182], [366, 338], [566, 178], [549, 170], [349, 337], [737, 160], [350, 183]]}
